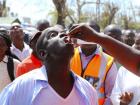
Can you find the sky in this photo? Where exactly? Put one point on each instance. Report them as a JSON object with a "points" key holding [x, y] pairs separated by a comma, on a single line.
{"points": [[34, 9], [37, 9]]}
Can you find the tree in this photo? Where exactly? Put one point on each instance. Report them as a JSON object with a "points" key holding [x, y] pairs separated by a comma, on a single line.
{"points": [[64, 11], [80, 14], [61, 10], [3, 9], [110, 9]]}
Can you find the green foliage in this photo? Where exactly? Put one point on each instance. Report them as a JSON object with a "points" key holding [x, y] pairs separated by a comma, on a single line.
{"points": [[54, 16], [134, 25], [104, 20]]}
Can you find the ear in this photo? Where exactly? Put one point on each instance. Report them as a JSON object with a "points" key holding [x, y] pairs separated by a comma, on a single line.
{"points": [[43, 54]]}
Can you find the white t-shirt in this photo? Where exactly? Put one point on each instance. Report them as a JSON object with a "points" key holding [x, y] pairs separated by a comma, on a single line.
{"points": [[21, 54], [48, 96], [4, 76], [126, 82]]}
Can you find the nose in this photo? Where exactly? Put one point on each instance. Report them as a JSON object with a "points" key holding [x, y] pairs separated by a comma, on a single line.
{"points": [[15, 27]]}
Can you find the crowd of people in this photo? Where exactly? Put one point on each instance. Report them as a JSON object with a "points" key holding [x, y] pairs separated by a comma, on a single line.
{"points": [[53, 69]]}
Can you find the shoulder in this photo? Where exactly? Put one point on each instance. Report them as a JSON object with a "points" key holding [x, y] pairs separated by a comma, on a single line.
{"points": [[23, 81], [122, 71], [16, 92], [27, 78]]}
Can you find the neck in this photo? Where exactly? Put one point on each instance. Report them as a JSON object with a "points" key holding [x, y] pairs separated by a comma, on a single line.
{"points": [[19, 46], [59, 75], [89, 51], [58, 69]]}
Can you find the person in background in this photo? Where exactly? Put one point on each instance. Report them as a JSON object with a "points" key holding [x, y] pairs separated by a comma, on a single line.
{"points": [[19, 47], [136, 44], [115, 32], [4, 30], [128, 37], [54, 83], [91, 63], [42, 24], [124, 92], [8, 61], [129, 57], [31, 62], [25, 31], [126, 89]]}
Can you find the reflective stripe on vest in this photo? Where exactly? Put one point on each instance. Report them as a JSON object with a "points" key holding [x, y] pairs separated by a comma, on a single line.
{"points": [[95, 71]]}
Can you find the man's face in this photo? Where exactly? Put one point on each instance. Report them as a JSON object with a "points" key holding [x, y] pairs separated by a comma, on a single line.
{"points": [[129, 39], [16, 33], [57, 44]]}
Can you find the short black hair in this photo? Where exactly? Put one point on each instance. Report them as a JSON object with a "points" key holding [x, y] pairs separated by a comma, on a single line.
{"points": [[8, 41], [43, 22], [113, 29], [6, 38]]}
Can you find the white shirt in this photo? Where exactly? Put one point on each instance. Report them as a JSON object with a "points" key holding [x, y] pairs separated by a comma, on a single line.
{"points": [[72, 99], [126, 82], [21, 54], [4, 76], [29, 88]]}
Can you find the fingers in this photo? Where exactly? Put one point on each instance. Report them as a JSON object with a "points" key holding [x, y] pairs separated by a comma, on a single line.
{"points": [[127, 97], [76, 32]]}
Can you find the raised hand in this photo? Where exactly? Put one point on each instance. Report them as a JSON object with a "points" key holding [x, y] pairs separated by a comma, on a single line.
{"points": [[84, 32], [126, 98]]}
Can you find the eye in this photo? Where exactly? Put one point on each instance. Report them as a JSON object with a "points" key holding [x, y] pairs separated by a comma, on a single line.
{"points": [[52, 34]]}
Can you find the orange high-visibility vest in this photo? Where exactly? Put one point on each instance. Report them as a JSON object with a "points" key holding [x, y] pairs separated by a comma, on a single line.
{"points": [[95, 71]]}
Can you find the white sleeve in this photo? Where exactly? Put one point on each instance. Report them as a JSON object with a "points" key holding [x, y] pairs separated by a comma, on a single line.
{"points": [[116, 92]]}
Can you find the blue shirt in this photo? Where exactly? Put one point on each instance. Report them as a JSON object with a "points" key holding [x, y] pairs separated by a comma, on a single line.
{"points": [[24, 90]]}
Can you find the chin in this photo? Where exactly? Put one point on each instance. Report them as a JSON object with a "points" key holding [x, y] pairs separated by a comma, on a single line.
{"points": [[68, 50]]}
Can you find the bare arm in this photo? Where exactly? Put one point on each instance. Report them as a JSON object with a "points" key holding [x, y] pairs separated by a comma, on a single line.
{"points": [[127, 56]]}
